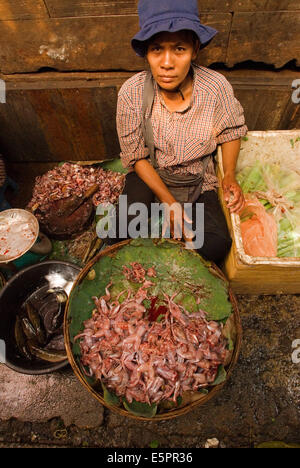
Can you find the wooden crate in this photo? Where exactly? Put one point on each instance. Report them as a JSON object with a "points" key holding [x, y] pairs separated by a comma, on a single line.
{"points": [[257, 275]]}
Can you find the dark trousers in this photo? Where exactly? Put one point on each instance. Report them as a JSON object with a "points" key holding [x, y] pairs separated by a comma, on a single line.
{"points": [[217, 240]]}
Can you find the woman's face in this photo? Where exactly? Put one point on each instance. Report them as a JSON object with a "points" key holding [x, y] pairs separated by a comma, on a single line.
{"points": [[169, 56]]}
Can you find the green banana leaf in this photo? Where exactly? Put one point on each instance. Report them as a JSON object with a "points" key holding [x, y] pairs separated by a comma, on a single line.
{"points": [[60, 251], [109, 397], [140, 409], [114, 165], [220, 377]]}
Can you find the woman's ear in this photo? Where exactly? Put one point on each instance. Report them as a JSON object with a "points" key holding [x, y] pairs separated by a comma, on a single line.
{"points": [[146, 64], [196, 49]]}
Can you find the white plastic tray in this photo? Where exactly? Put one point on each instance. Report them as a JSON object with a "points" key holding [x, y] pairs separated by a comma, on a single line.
{"points": [[266, 138]]}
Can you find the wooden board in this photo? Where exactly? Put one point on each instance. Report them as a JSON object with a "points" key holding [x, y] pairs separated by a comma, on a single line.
{"points": [[22, 10], [290, 119], [269, 37], [59, 124], [55, 80], [265, 5], [30, 9], [260, 279], [68, 44], [264, 108], [75, 8], [267, 98], [59, 116], [96, 43], [215, 51], [240, 78], [89, 44], [21, 136]]}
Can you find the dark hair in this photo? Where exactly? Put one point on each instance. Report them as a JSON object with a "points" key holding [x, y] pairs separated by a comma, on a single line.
{"points": [[191, 35]]}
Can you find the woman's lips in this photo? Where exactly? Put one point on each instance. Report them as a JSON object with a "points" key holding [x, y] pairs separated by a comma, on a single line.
{"points": [[167, 79]]}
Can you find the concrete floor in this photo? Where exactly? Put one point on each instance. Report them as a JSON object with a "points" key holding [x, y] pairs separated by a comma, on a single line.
{"points": [[261, 401]]}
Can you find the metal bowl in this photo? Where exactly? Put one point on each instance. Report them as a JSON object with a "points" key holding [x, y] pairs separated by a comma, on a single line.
{"points": [[28, 283], [19, 231]]}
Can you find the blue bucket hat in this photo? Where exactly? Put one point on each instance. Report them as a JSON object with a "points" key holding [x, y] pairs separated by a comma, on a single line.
{"points": [[169, 15]]}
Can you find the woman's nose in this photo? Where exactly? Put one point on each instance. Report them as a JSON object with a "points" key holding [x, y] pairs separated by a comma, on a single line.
{"points": [[167, 60]]}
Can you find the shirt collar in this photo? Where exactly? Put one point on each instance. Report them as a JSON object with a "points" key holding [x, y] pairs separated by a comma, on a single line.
{"points": [[161, 100]]}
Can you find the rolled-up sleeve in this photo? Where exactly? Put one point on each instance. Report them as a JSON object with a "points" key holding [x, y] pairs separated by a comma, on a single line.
{"points": [[229, 119], [129, 128]]}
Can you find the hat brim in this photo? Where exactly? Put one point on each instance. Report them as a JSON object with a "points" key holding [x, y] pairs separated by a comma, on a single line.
{"points": [[204, 33]]}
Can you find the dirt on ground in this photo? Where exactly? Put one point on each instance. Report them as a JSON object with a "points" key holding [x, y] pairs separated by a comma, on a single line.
{"points": [[259, 403]]}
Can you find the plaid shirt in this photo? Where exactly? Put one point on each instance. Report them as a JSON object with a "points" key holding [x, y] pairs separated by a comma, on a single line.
{"points": [[181, 138]]}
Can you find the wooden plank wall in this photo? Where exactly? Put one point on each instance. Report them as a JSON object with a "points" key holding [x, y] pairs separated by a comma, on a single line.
{"points": [[64, 61], [76, 35], [59, 116]]}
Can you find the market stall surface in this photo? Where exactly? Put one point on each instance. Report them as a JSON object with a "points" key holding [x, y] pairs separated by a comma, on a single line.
{"points": [[261, 401]]}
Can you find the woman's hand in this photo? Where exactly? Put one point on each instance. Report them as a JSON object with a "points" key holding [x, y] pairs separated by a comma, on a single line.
{"points": [[177, 220], [233, 194], [174, 216]]}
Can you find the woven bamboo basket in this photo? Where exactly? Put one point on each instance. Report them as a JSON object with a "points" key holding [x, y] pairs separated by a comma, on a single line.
{"points": [[170, 414], [2, 281]]}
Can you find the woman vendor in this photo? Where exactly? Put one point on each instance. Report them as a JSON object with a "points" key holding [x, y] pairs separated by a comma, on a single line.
{"points": [[171, 119]]}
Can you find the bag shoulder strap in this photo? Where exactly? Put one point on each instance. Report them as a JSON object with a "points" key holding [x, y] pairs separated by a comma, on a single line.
{"points": [[148, 99], [198, 189]]}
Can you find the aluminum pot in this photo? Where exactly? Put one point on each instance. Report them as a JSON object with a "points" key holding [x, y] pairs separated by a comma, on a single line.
{"points": [[29, 283]]}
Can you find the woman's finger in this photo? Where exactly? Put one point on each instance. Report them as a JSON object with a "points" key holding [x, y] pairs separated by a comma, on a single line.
{"points": [[236, 195], [187, 218], [238, 207], [234, 200]]}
